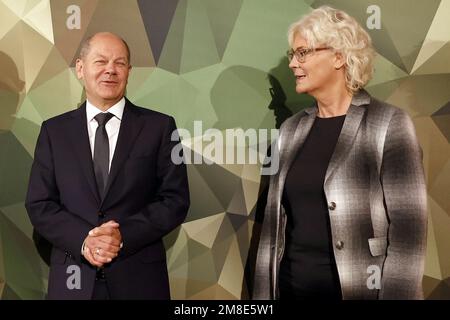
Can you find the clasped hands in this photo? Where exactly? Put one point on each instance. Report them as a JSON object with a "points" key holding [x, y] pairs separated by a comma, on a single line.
{"points": [[102, 244]]}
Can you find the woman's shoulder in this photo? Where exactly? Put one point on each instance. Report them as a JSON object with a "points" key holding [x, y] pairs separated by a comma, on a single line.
{"points": [[382, 111], [291, 123], [382, 108]]}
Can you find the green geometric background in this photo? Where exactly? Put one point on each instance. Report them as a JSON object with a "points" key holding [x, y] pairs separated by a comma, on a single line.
{"points": [[213, 61]]}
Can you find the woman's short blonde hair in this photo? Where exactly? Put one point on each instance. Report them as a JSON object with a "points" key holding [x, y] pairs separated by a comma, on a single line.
{"points": [[326, 26]]}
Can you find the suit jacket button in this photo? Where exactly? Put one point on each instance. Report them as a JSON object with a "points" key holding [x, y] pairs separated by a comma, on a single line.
{"points": [[340, 245], [101, 214], [332, 205]]}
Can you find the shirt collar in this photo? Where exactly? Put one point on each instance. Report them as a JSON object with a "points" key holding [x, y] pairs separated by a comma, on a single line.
{"points": [[116, 110]]}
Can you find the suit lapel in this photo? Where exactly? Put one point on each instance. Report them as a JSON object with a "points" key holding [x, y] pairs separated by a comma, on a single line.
{"points": [[80, 141], [348, 133], [130, 127]]}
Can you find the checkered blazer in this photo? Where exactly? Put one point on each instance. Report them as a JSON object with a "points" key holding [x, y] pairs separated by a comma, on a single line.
{"points": [[377, 200]]}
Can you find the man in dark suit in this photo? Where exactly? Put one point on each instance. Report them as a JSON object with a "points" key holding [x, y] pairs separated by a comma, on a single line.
{"points": [[103, 188]]}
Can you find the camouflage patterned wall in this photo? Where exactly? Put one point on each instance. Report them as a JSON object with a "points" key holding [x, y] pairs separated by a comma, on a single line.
{"points": [[222, 63]]}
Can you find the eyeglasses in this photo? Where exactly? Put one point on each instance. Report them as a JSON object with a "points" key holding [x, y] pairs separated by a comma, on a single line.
{"points": [[301, 53]]}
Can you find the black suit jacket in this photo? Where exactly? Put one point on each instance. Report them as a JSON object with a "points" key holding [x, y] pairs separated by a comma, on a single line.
{"points": [[146, 193]]}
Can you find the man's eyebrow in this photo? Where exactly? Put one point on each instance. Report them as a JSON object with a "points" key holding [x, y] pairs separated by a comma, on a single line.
{"points": [[301, 47], [99, 55]]}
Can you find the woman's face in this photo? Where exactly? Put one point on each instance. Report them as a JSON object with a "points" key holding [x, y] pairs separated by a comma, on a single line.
{"points": [[316, 72]]}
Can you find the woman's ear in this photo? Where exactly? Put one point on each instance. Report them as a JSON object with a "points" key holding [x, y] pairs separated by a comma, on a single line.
{"points": [[339, 60]]}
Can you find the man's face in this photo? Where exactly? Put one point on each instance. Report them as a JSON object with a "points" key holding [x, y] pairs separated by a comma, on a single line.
{"points": [[104, 70]]}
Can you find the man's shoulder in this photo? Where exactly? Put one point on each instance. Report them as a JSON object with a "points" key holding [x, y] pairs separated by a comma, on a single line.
{"points": [[148, 112], [152, 118], [61, 118]]}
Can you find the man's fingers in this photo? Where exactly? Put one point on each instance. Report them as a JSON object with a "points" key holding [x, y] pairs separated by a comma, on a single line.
{"points": [[103, 230], [100, 256], [100, 231], [103, 255], [107, 250], [109, 241], [89, 257], [100, 250], [104, 242], [111, 223], [104, 250], [96, 232]]}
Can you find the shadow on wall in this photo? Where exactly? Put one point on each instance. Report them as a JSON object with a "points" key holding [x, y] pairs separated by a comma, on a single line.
{"points": [[239, 97], [284, 86], [278, 102], [21, 268], [285, 102], [11, 87]]}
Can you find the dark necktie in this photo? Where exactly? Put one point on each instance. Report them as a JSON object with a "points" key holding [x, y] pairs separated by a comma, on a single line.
{"points": [[101, 152]]}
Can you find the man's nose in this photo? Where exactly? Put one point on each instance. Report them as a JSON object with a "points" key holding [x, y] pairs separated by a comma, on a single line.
{"points": [[111, 68]]}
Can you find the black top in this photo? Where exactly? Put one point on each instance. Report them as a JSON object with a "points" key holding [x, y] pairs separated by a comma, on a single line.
{"points": [[308, 268]]}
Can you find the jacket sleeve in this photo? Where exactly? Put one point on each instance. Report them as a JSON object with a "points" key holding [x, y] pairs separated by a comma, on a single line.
{"points": [[168, 209], [404, 188], [60, 227], [265, 273]]}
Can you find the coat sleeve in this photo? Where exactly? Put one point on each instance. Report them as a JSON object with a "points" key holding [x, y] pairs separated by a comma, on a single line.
{"points": [[404, 188], [265, 273], [168, 209], [51, 220]]}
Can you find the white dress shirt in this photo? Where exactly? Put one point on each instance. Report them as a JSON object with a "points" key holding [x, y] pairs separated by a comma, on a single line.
{"points": [[112, 129], [112, 126]]}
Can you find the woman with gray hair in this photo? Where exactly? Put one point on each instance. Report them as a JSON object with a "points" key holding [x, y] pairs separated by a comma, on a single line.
{"points": [[346, 211]]}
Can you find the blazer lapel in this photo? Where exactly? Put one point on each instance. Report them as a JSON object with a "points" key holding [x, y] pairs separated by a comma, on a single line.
{"points": [[130, 127], [80, 141], [291, 146], [348, 133]]}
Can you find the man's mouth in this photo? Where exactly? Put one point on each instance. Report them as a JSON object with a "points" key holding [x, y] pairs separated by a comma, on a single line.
{"points": [[109, 82]]}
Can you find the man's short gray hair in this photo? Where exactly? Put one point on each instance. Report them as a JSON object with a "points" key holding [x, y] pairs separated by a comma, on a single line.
{"points": [[86, 44]]}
